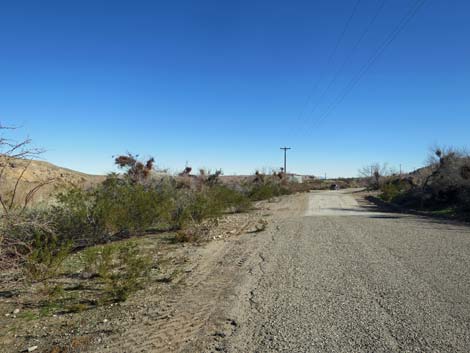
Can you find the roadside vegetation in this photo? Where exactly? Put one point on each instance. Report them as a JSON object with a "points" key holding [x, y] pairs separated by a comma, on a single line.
{"points": [[441, 188], [90, 234]]}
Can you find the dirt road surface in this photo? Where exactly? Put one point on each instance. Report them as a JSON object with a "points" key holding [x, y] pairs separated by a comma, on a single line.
{"points": [[330, 274]]}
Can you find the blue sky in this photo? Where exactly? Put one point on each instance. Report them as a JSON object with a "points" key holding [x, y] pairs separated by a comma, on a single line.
{"points": [[224, 84]]}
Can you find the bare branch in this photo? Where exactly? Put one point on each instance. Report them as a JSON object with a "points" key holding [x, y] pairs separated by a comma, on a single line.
{"points": [[13, 196], [29, 196]]}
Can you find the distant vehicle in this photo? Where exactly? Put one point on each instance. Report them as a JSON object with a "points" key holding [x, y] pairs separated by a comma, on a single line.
{"points": [[334, 187]]}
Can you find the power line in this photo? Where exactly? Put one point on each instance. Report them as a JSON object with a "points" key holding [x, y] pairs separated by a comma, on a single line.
{"points": [[355, 80], [348, 58], [331, 56]]}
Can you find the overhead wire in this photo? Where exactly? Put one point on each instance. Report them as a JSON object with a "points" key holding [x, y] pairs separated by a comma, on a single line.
{"points": [[348, 59], [331, 56], [377, 54]]}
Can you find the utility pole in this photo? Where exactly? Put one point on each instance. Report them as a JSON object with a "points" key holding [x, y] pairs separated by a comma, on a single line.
{"points": [[285, 158]]}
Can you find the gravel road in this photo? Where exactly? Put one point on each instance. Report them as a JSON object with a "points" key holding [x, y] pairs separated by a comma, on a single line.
{"points": [[335, 276]]}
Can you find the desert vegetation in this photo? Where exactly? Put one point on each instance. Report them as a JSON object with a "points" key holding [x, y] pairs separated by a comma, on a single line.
{"points": [[89, 230], [442, 187], [91, 245], [374, 175]]}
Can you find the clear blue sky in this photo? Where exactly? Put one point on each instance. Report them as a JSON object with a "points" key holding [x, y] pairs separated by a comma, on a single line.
{"points": [[226, 83]]}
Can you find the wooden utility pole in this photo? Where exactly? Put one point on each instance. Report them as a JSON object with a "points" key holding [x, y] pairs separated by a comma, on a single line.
{"points": [[285, 158]]}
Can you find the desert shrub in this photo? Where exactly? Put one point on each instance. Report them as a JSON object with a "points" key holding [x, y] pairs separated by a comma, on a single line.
{"points": [[449, 184], [204, 205], [97, 260], [193, 207], [48, 254], [393, 189], [17, 223], [179, 211], [229, 199], [443, 184], [18, 230], [374, 175], [118, 206], [121, 267], [76, 217], [266, 190], [136, 171], [130, 208]]}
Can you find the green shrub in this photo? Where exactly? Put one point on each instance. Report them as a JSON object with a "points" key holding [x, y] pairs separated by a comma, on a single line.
{"points": [[76, 217], [393, 189], [209, 203], [121, 267], [229, 199], [118, 206], [46, 258], [203, 207], [130, 208], [193, 207], [266, 191]]}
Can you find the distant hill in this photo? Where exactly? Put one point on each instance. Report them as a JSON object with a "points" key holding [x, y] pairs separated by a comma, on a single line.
{"points": [[39, 172]]}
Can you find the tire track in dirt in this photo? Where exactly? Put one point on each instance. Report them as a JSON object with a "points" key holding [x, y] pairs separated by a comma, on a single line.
{"points": [[197, 314], [193, 315]]}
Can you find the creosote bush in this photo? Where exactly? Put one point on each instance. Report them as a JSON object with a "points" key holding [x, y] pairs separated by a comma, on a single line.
{"points": [[79, 221], [394, 188], [120, 206], [48, 254], [208, 203], [121, 267], [266, 190], [230, 200], [76, 217], [117, 207]]}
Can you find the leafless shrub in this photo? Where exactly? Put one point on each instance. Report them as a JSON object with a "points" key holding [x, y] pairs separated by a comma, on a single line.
{"points": [[137, 171], [17, 226], [213, 179], [374, 174], [185, 172], [258, 178]]}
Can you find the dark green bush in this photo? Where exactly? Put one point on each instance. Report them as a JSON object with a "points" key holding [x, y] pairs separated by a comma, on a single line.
{"points": [[393, 189], [266, 191], [76, 217], [117, 206], [229, 200], [130, 208]]}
